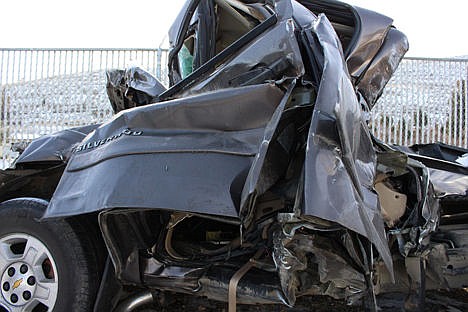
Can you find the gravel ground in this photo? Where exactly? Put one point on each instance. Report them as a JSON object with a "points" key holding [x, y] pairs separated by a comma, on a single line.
{"points": [[453, 301]]}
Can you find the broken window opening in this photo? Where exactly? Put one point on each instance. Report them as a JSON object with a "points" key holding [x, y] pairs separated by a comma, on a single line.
{"points": [[231, 21]]}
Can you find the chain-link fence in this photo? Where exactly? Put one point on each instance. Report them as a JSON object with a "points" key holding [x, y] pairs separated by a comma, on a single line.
{"points": [[46, 90]]}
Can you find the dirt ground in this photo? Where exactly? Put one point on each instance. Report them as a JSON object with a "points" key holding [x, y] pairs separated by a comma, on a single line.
{"points": [[453, 301]]}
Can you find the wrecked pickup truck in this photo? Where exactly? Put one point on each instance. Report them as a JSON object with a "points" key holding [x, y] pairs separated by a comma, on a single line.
{"points": [[252, 179]]}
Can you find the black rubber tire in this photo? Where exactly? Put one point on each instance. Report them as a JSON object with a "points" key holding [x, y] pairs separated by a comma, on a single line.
{"points": [[75, 253]]}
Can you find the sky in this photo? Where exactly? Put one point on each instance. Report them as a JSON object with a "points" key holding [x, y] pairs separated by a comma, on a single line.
{"points": [[432, 30]]}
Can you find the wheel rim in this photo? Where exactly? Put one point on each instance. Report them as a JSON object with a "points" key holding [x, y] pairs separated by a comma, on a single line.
{"points": [[28, 274]]}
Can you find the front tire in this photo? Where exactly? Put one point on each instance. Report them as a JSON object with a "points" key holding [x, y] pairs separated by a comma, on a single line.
{"points": [[44, 266]]}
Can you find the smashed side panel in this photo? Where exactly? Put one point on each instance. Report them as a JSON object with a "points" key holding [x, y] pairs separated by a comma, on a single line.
{"points": [[189, 182], [190, 155], [340, 159]]}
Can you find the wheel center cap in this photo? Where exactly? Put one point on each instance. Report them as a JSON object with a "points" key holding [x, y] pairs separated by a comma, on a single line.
{"points": [[18, 283]]}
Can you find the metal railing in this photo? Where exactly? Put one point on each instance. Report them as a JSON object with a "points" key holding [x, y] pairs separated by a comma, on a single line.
{"points": [[46, 90], [424, 102]]}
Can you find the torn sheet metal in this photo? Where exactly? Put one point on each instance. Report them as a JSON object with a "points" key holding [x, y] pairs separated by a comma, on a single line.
{"points": [[449, 183], [383, 66], [261, 175], [334, 274], [463, 160], [131, 88], [372, 31], [372, 47], [429, 206], [55, 147], [340, 161]]}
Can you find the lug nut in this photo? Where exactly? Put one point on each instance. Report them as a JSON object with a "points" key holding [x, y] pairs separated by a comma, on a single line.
{"points": [[6, 286], [14, 298], [24, 269], [26, 295], [11, 272], [31, 280]]}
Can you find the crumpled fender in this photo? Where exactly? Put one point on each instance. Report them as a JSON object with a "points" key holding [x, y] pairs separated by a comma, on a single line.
{"points": [[54, 147]]}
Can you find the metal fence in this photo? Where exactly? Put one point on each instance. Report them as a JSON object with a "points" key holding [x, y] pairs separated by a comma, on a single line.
{"points": [[424, 102], [46, 90]]}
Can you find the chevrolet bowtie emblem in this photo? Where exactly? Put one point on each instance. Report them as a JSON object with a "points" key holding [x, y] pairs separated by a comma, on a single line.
{"points": [[17, 283]]}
